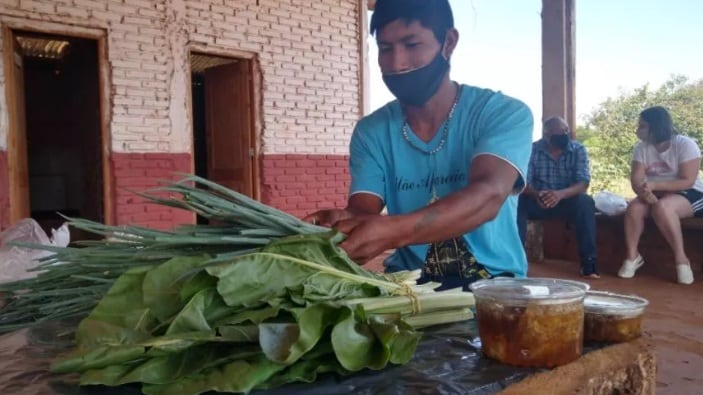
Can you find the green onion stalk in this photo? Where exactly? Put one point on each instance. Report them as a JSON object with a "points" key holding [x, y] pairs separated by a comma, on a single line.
{"points": [[71, 281]]}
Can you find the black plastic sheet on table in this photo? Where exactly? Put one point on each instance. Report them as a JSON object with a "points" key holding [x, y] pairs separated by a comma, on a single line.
{"points": [[446, 362]]}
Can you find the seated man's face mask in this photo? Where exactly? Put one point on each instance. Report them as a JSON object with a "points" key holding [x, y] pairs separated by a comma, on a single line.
{"points": [[416, 87], [560, 141]]}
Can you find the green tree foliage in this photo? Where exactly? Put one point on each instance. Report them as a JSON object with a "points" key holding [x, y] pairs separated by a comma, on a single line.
{"points": [[609, 132]]}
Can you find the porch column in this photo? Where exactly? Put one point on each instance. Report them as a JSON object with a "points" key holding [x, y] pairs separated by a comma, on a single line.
{"points": [[558, 56]]}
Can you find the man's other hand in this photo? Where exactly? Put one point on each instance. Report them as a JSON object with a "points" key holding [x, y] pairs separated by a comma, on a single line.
{"points": [[328, 217], [368, 236], [549, 199]]}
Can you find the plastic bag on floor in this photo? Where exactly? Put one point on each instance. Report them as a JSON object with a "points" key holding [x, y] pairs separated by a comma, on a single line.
{"points": [[14, 260], [610, 203]]}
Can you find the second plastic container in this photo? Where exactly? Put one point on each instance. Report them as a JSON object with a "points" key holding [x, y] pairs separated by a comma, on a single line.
{"points": [[612, 317]]}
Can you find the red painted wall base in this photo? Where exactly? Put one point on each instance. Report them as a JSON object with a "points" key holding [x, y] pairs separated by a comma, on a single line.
{"points": [[297, 184], [139, 172], [301, 184]]}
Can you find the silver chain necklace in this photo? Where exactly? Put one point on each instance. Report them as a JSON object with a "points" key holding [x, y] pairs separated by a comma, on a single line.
{"points": [[445, 131]]}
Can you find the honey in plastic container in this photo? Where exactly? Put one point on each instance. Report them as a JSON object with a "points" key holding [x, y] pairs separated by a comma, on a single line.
{"points": [[612, 317], [530, 322]]}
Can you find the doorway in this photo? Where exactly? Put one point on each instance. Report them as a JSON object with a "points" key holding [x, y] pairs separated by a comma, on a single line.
{"points": [[224, 135], [56, 135]]}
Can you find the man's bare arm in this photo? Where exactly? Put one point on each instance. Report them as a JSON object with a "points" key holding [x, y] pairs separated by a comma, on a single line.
{"points": [[491, 181]]}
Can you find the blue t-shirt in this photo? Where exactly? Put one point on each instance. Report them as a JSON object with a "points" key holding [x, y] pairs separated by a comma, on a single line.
{"points": [[384, 163]]}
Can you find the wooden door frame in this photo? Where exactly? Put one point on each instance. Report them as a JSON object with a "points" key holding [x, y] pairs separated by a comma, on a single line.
{"points": [[18, 173], [256, 107], [12, 24]]}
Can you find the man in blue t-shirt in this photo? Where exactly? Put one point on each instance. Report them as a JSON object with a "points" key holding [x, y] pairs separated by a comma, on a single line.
{"points": [[446, 160], [557, 180]]}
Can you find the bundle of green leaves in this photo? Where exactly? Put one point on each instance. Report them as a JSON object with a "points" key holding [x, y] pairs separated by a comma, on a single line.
{"points": [[287, 312]]}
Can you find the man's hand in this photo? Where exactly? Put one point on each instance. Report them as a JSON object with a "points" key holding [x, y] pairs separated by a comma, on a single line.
{"points": [[369, 236], [329, 217], [359, 204], [549, 199]]}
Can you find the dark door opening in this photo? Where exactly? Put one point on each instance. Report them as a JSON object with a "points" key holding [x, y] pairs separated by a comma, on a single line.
{"points": [[63, 130], [223, 121]]}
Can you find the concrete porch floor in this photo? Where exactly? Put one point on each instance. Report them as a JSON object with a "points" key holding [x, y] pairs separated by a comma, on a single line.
{"points": [[673, 321]]}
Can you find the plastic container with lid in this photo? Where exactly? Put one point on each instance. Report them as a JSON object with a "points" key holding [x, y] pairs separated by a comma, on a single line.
{"points": [[580, 284], [611, 317], [535, 322]]}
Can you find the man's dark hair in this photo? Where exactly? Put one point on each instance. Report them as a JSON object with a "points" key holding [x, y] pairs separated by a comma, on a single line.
{"points": [[435, 15], [661, 126]]}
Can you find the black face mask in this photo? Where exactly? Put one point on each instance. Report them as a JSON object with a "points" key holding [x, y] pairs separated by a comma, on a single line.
{"points": [[417, 86], [560, 141]]}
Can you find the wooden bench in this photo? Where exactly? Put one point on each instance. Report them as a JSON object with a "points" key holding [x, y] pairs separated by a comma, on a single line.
{"points": [[559, 242]]}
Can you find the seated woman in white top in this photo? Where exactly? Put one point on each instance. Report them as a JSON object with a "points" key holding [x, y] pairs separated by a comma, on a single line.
{"points": [[664, 175]]}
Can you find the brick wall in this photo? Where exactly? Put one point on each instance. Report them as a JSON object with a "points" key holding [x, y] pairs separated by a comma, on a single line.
{"points": [[139, 172], [307, 54], [301, 184]]}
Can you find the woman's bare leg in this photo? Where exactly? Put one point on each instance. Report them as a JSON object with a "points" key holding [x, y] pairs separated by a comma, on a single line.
{"points": [[635, 215], [667, 214]]}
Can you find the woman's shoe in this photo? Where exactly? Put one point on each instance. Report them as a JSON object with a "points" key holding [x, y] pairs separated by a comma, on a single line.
{"points": [[684, 275], [630, 266]]}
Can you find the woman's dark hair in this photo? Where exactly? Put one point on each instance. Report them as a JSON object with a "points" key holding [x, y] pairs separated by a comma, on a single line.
{"points": [[661, 126], [435, 15]]}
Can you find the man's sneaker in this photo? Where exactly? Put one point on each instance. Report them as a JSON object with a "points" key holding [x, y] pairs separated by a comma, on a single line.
{"points": [[589, 275], [630, 266], [588, 268], [684, 275]]}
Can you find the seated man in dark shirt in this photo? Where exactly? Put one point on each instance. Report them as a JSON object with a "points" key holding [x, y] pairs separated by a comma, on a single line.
{"points": [[557, 179]]}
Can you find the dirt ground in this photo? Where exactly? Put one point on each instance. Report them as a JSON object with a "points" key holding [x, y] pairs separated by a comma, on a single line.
{"points": [[673, 321]]}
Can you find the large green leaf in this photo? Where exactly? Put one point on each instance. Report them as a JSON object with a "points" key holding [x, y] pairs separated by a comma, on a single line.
{"points": [[163, 284], [324, 287], [304, 268], [355, 343], [203, 308], [170, 367], [97, 357], [305, 371], [398, 339], [240, 333], [250, 281], [195, 283], [237, 376], [155, 370], [167, 344], [286, 342], [361, 342], [121, 316], [320, 248], [253, 316]]}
